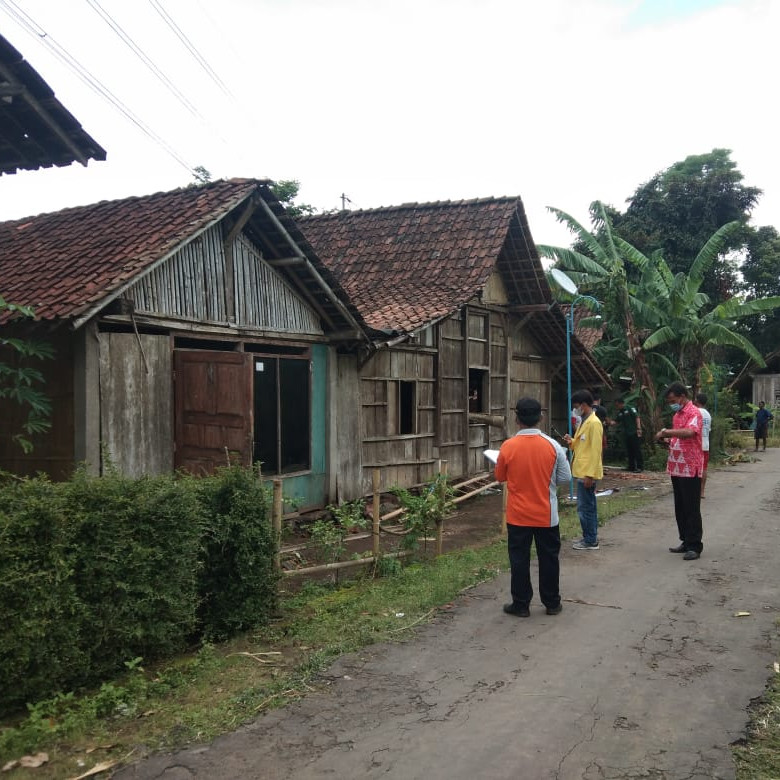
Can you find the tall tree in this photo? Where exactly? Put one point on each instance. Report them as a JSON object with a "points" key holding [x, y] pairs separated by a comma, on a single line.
{"points": [[761, 278], [286, 190], [678, 210]]}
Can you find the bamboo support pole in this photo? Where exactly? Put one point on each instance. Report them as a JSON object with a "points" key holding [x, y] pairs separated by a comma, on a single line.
{"points": [[277, 524], [343, 564], [440, 524], [375, 476]]}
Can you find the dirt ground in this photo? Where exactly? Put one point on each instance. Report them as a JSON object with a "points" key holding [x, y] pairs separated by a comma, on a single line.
{"points": [[647, 673], [478, 519]]}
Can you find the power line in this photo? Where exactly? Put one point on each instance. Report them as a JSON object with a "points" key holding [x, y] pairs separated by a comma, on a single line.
{"points": [[150, 64], [156, 71], [191, 48], [37, 32]]}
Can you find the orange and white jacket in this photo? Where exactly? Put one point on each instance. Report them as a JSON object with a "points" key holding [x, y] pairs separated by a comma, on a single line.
{"points": [[532, 464]]}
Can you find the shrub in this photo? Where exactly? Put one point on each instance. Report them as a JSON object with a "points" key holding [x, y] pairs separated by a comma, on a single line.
{"points": [[40, 612], [238, 584], [136, 564], [98, 571], [720, 433], [94, 571]]}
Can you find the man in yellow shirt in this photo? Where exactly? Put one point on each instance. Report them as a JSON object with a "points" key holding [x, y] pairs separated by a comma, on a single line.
{"points": [[587, 468]]}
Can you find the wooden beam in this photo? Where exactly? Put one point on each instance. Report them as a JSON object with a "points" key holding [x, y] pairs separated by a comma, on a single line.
{"points": [[522, 308], [279, 262], [53, 125]]}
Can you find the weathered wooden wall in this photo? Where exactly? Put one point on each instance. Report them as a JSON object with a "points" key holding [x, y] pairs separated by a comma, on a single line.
{"points": [[766, 387], [345, 425], [530, 374], [453, 393], [403, 459], [136, 412], [53, 451], [191, 284]]}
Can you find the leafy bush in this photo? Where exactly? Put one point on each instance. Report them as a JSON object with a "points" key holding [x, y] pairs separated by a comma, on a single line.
{"points": [[100, 570], [238, 585], [328, 533], [40, 612], [720, 434], [423, 512]]}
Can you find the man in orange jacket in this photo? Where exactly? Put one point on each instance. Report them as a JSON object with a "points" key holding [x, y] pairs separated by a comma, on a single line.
{"points": [[532, 465]]}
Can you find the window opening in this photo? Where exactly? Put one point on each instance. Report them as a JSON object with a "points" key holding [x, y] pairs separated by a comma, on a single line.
{"points": [[282, 407], [478, 386], [407, 407]]}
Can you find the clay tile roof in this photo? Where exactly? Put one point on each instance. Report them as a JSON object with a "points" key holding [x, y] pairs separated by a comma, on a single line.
{"points": [[409, 265], [66, 262]]}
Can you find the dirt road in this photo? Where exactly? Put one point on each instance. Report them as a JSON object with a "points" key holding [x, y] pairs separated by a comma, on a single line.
{"points": [[649, 679]]}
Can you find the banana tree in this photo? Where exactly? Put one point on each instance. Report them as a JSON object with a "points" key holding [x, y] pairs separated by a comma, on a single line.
{"points": [[602, 273], [685, 324]]}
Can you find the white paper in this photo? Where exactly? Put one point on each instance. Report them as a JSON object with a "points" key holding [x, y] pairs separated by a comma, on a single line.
{"points": [[491, 455]]}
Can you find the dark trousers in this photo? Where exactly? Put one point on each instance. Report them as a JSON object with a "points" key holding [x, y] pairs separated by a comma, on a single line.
{"points": [[548, 545], [687, 511], [634, 451]]}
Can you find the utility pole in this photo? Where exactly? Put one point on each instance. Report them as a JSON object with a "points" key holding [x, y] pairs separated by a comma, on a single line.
{"points": [[344, 201]]}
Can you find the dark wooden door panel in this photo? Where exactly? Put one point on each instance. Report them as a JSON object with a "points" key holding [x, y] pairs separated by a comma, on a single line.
{"points": [[213, 408]]}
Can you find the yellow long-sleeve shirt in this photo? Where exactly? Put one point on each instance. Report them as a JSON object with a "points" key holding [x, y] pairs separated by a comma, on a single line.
{"points": [[587, 447]]}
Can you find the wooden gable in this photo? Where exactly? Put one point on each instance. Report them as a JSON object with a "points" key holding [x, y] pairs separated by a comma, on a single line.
{"points": [[197, 283]]}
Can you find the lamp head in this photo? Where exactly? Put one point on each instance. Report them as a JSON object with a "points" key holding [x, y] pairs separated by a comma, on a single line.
{"points": [[563, 281]]}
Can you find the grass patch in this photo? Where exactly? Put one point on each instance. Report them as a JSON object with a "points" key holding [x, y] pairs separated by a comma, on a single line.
{"points": [[759, 754], [205, 693]]}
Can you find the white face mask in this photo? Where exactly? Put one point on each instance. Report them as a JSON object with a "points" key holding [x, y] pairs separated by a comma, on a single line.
{"points": [[576, 411]]}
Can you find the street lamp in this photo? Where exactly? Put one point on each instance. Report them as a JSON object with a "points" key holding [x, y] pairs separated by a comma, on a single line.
{"points": [[566, 284]]}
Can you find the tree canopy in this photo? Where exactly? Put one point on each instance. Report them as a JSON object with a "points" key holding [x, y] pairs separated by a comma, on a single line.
{"points": [[678, 209]]}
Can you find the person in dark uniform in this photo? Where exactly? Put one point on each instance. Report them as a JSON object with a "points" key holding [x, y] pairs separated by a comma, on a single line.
{"points": [[630, 426]]}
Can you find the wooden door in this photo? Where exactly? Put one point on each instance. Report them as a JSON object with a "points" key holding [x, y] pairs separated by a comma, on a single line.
{"points": [[213, 409]]}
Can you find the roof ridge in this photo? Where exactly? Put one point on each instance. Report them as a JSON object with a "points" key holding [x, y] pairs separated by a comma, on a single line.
{"points": [[415, 205], [136, 198]]}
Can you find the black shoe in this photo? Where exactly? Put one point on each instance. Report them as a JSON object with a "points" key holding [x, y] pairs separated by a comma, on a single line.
{"points": [[518, 610], [691, 555], [679, 549], [555, 610]]}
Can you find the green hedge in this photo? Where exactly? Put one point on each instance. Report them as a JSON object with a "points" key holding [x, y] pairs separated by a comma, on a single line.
{"points": [[100, 570], [238, 584]]}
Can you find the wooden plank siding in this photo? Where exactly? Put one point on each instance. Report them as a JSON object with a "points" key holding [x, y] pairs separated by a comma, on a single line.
{"points": [[403, 458], [453, 393], [530, 375], [191, 285], [136, 403]]}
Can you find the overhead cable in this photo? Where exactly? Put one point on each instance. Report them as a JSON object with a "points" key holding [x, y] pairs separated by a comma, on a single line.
{"points": [[36, 31], [191, 48], [150, 64]]}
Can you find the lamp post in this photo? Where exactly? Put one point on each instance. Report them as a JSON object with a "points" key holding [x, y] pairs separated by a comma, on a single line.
{"points": [[566, 283]]}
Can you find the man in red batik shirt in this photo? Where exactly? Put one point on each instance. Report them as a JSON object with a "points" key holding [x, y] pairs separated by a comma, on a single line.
{"points": [[685, 465]]}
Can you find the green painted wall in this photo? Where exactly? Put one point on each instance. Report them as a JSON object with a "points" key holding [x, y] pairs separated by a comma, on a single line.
{"points": [[309, 490]]}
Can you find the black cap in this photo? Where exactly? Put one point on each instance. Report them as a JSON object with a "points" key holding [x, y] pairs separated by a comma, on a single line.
{"points": [[528, 407]]}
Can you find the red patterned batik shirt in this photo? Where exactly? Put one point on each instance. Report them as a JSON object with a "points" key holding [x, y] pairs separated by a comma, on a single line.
{"points": [[685, 455]]}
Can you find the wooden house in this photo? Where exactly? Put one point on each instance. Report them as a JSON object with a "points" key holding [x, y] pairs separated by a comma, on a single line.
{"points": [[462, 323], [191, 328]]}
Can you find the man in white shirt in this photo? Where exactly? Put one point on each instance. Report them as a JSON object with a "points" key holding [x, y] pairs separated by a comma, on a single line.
{"points": [[701, 401]]}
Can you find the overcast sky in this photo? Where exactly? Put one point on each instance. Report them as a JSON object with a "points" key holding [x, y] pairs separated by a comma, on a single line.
{"points": [[561, 102]]}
